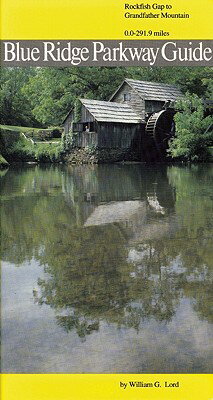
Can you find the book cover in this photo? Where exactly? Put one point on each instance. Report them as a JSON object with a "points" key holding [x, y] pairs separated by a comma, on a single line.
{"points": [[106, 146]]}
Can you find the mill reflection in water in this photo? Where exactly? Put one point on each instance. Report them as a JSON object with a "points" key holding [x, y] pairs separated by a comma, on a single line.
{"points": [[107, 269]]}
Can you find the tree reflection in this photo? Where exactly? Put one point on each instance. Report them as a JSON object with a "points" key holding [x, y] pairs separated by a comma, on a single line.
{"points": [[124, 272]]}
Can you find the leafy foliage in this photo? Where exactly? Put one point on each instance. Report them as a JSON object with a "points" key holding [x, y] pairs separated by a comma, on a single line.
{"points": [[15, 147], [15, 106], [50, 152], [33, 96], [43, 96], [193, 130]]}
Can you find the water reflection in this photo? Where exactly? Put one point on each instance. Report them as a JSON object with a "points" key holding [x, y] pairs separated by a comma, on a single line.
{"points": [[119, 244]]}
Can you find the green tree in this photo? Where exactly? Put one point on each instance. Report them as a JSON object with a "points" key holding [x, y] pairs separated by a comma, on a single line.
{"points": [[15, 107], [32, 96], [54, 91], [193, 130]]}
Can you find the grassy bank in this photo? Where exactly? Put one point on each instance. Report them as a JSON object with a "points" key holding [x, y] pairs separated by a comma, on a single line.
{"points": [[36, 134], [16, 146], [23, 129]]}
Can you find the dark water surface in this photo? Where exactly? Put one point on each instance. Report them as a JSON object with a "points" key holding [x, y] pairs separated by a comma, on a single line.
{"points": [[107, 269]]}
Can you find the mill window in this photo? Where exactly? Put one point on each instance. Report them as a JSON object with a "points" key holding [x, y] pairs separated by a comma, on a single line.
{"points": [[127, 96]]}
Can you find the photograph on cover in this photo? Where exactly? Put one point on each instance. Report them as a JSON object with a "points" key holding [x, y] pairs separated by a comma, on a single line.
{"points": [[106, 215]]}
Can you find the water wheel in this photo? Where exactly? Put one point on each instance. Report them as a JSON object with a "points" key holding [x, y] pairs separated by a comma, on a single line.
{"points": [[160, 128]]}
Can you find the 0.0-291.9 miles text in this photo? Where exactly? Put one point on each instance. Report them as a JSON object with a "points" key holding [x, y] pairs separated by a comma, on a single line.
{"points": [[146, 33]]}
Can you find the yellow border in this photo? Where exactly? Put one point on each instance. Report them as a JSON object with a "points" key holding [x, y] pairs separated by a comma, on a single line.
{"points": [[95, 19], [105, 387]]}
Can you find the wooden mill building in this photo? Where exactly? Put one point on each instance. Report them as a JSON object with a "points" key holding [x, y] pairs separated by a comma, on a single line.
{"points": [[120, 123], [145, 97], [106, 124]]}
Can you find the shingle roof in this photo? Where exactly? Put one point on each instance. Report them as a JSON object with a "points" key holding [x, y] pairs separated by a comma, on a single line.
{"points": [[153, 90], [106, 111]]}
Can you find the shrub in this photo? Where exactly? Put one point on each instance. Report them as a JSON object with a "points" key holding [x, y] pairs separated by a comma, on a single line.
{"points": [[47, 152], [15, 147], [192, 136]]}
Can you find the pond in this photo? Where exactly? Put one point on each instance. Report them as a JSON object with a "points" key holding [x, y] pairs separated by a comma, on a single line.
{"points": [[107, 269]]}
